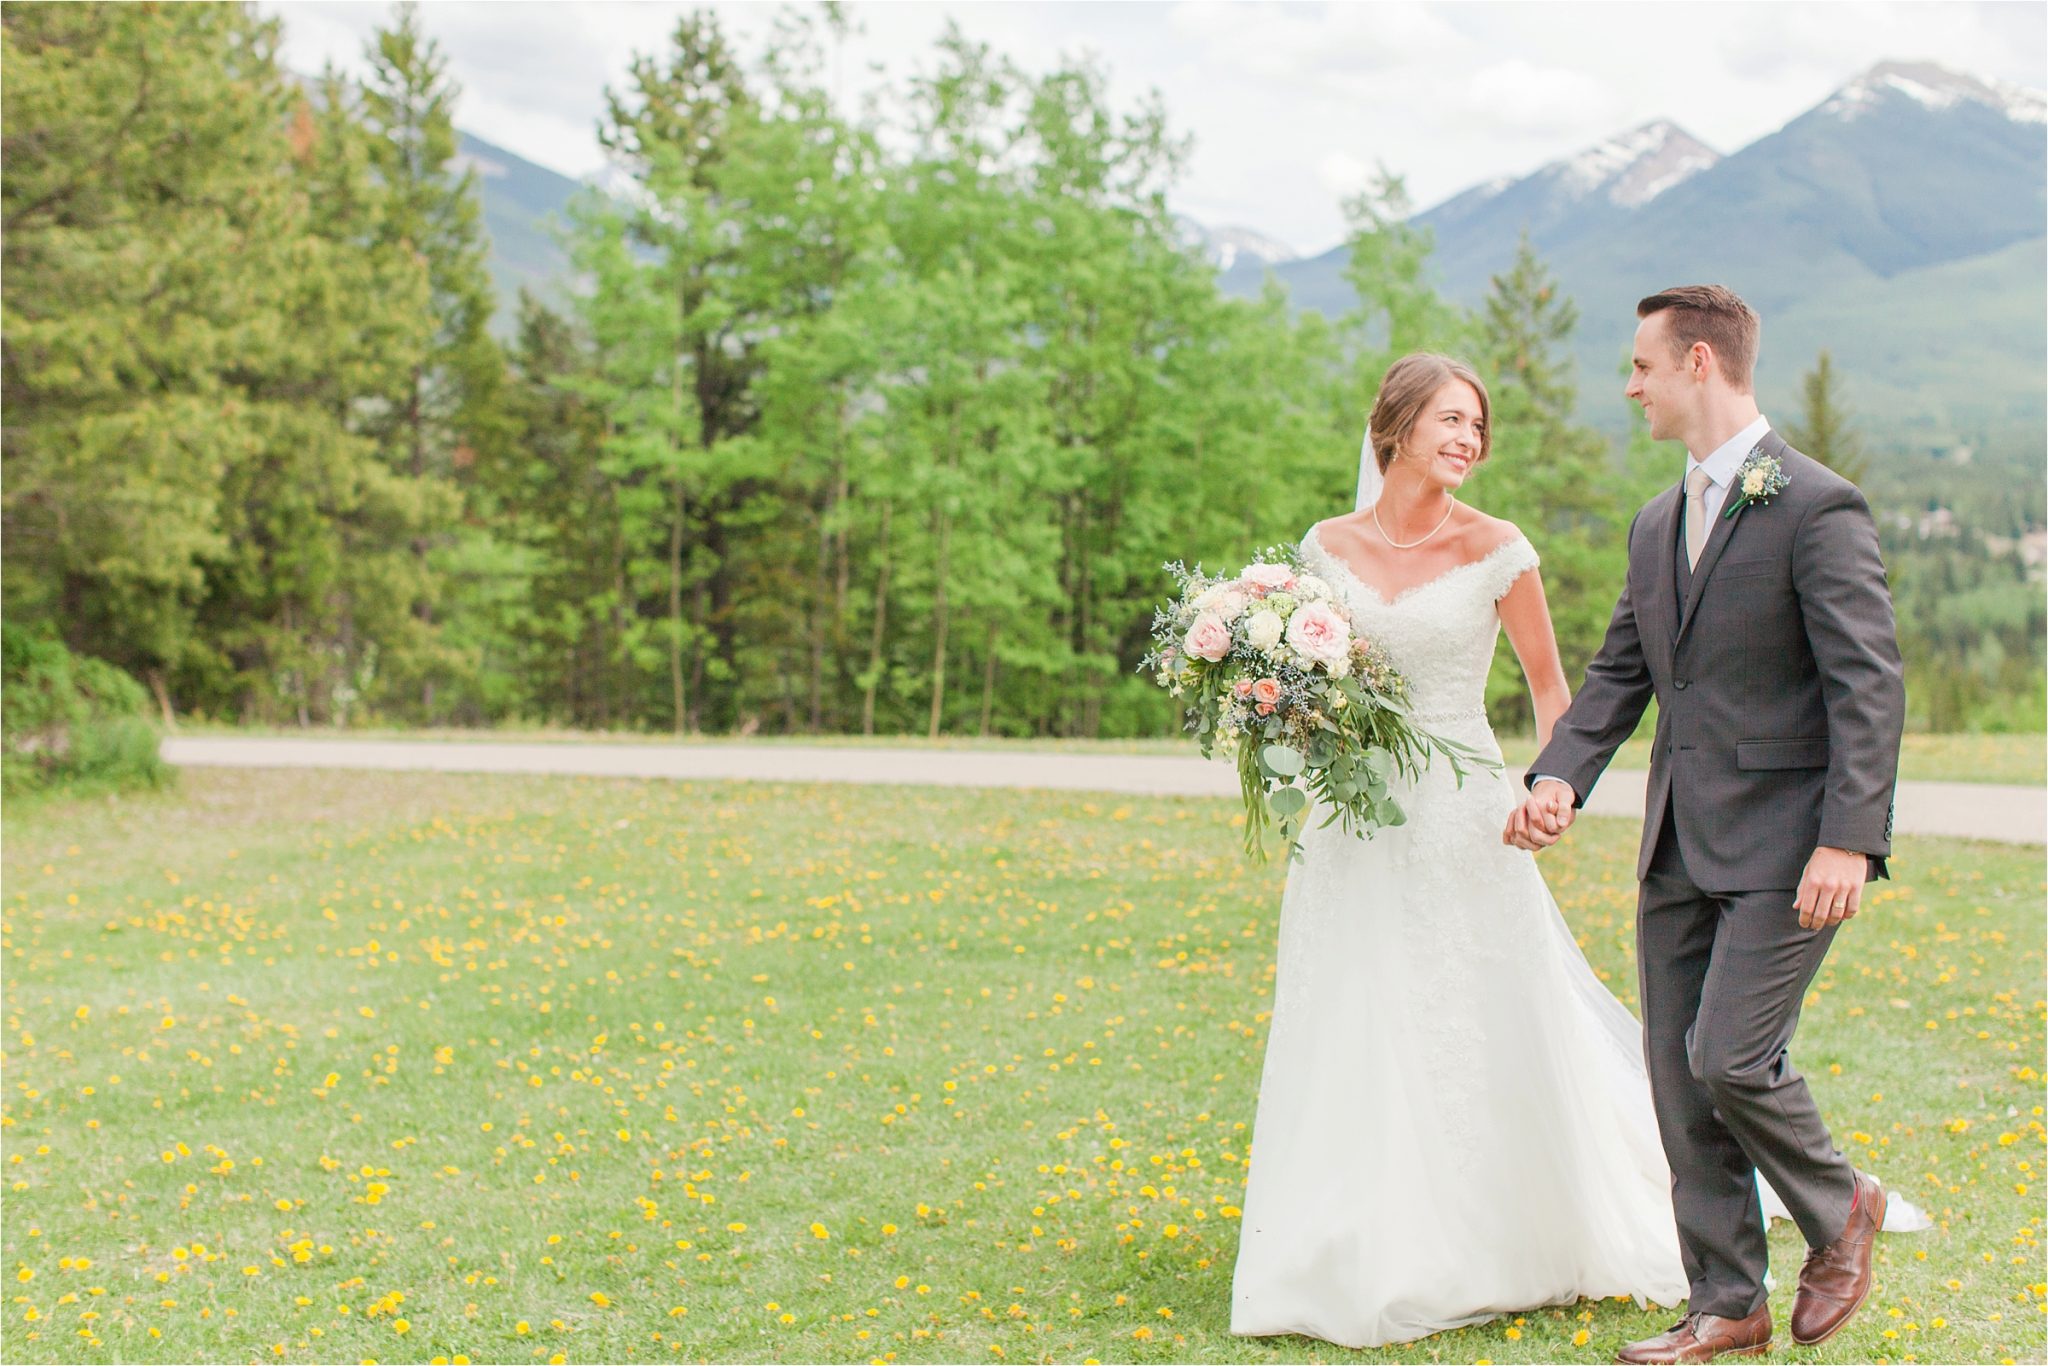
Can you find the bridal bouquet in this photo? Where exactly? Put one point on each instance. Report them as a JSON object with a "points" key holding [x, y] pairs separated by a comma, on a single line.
{"points": [[1277, 680]]}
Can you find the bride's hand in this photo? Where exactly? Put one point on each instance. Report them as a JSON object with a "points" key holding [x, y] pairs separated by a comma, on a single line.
{"points": [[1541, 819]]}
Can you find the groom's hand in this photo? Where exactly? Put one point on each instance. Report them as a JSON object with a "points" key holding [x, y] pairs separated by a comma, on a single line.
{"points": [[1543, 817], [1831, 889]]}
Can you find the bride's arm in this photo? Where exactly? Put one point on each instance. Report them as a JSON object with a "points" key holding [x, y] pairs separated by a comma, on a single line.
{"points": [[1525, 615]]}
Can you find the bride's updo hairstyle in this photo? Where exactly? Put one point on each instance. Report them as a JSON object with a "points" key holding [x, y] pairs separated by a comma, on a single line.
{"points": [[1410, 384]]}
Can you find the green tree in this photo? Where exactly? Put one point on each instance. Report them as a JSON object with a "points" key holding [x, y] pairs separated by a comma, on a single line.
{"points": [[673, 127], [446, 414], [147, 227], [963, 397], [1825, 430], [1554, 478], [814, 264], [1399, 310], [309, 603]]}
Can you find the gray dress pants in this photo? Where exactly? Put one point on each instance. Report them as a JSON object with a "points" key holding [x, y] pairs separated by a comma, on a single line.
{"points": [[1722, 979]]}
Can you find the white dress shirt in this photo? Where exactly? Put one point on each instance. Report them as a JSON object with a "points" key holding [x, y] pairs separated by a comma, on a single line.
{"points": [[1720, 466]]}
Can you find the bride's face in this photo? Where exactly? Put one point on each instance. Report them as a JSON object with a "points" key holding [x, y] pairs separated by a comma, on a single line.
{"points": [[1445, 442]]}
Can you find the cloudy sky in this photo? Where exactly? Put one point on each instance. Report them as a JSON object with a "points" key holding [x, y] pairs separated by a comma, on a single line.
{"points": [[1290, 105]]}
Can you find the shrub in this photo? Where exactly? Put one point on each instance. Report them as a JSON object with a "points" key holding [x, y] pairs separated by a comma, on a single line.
{"points": [[69, 719]]}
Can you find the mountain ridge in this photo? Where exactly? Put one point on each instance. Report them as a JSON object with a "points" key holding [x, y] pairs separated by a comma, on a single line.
{"points": [[1839, 215], [1833, 225]]}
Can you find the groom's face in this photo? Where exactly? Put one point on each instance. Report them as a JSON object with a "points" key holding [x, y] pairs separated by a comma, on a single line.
{"points": [[1661, 381]]}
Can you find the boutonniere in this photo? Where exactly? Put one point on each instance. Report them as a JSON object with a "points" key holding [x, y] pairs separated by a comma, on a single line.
{"points": [[1760, 478]]}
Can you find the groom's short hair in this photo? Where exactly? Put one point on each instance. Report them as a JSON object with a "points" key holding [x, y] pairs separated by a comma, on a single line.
{"points": [[1716, 315]]}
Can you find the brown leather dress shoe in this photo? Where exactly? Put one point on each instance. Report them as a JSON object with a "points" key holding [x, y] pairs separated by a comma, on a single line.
{"points": [[1836, 1279], [1702, 1337]]}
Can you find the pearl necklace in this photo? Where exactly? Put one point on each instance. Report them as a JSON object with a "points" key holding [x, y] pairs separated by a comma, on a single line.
{"points": [[1410, 545]]}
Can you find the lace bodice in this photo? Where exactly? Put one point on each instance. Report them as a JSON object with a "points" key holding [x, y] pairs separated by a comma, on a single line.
{"points": [[1440, 633]]}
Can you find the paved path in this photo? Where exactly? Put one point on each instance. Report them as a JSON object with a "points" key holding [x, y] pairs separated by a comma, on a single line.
{"points": [[2014, 815]]}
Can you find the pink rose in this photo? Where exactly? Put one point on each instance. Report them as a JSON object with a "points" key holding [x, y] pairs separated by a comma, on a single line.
{"points": [[1319, 633], [1268, 578], [1265, 708], [1267, 690], [1207, 639], [1244, 687]]}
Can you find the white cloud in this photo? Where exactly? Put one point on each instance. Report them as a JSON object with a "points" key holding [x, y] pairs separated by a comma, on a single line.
{"points": [[1517, 94], [1343, 174], [1289, 104]]}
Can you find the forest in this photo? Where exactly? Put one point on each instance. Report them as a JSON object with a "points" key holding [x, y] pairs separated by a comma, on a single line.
{"points": [[878, 421]]}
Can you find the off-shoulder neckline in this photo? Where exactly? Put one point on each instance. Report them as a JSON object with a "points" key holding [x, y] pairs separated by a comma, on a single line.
{"points": [[1314, 538]]}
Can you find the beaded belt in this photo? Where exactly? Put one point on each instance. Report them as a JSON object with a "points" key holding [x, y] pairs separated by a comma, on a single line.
{"points": [[1437, 718]]}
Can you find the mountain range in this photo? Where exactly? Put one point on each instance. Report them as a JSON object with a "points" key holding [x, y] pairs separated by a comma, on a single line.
{"points": [[1901, 224]]}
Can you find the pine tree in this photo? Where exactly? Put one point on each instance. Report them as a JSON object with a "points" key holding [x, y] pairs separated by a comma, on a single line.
{"points": [[1825, 430], [446, 414], [308, 602], [1554, 478], [149, 227], [560, 507]]}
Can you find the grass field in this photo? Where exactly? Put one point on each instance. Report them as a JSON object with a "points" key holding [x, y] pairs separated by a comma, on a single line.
{"points": [[330, 1066], [2019, 759]]}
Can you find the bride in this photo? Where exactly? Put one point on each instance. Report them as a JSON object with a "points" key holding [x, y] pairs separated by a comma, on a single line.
{"points": [[1454, 1119]]}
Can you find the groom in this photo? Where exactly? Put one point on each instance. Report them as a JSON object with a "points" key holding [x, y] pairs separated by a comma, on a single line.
{"points": [[1756, 612]]}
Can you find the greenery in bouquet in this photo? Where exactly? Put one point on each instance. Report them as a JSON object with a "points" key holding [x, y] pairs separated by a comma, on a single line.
{"points": [[1274, 678]]}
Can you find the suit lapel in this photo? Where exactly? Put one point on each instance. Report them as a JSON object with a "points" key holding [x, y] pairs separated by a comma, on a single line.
{"points": [[1663, 542]]}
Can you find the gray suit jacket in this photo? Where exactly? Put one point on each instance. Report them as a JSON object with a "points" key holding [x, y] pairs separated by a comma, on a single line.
{"points": [[1779, 689]]}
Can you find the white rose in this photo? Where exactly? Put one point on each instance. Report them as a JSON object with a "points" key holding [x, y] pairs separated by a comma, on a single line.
{"points": [[1224, 601], [1263, 629], [1753, 483], [1309, 588]]}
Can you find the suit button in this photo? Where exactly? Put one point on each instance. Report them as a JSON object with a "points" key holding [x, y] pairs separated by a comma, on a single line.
{"points": [[1682, 683]]}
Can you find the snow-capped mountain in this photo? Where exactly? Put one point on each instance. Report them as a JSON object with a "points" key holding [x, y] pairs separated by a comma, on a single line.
{"points": [[1476, 231], [1933, 87], [1897, 222], [1227, 247], [1633, 169]]}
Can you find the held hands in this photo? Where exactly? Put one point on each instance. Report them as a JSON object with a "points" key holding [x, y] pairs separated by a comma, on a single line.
{"points": [[1831, 889], [1542, 818]]}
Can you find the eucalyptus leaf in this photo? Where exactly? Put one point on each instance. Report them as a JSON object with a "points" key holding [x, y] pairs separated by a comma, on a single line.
{"points": [[1282, 761]]}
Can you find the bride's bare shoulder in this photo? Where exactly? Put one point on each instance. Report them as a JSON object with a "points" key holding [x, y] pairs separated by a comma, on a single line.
{"points": [[1344, 526], [1483, 534]]}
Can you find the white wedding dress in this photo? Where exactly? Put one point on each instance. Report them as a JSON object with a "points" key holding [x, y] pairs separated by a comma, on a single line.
{"points": [[1454, 1119]]}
